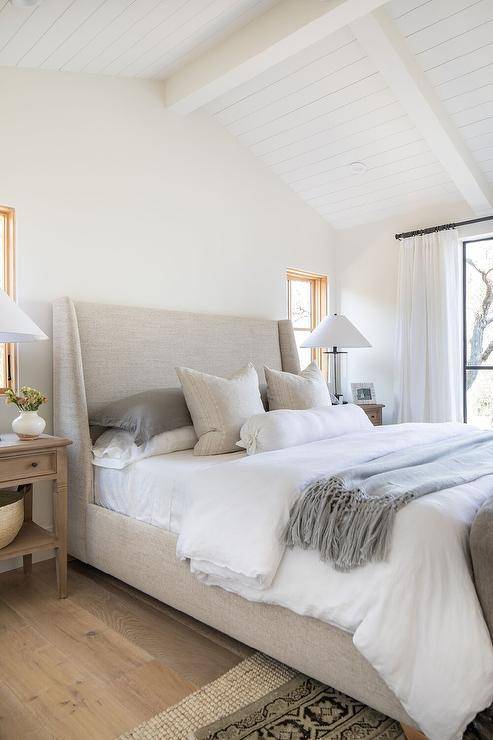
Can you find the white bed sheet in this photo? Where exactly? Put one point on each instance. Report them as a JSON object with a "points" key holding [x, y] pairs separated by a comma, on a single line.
{"points": [[151, 490]]}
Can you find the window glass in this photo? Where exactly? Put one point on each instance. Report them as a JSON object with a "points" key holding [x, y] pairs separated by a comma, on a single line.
{"points": [[301, 304], [478, 332], [307, 306], [304, 353], [3, 230], [3, 351], [480, 398]]}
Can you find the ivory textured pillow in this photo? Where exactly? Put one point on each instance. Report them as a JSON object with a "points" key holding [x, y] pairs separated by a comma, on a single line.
{"points": [[304, 391], [220, 406]]}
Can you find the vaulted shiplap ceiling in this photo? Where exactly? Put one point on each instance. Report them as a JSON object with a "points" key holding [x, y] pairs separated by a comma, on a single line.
{"points": [[310, 117], [453, 42], [147, 38]]}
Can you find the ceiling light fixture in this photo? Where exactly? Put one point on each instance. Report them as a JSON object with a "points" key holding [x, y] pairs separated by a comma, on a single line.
{"points": [[25, 3], [358, 168]]}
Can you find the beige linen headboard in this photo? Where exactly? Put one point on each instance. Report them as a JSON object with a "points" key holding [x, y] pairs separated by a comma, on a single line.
{"points": [[103, 352]]}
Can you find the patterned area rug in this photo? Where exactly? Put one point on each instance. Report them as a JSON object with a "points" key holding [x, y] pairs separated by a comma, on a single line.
{"points": [[261, 698], [301, 709]]}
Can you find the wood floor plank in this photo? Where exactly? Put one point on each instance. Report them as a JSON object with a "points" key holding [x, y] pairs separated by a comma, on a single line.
{"points": [[114, 585], [154, 686], [75, 632], [187, 652], [98, 663], [9, 619], [17, 722], [65, 698], [238, 648], [73, 701]]}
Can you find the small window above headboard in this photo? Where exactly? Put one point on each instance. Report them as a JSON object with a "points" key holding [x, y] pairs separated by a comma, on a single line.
{"points": [[307, 306]]}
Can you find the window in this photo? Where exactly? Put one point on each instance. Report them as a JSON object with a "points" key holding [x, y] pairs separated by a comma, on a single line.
{"points": [[478, 332], [307, 306], [8, 352]]}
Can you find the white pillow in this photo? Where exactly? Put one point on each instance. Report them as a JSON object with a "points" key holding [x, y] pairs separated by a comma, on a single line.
{"points": [[219, 406], [304, 391], [276, 430], [183, 438], [116, 448]]}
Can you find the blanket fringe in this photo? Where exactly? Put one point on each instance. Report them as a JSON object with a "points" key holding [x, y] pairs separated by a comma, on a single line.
{"points": [[347, 527]]}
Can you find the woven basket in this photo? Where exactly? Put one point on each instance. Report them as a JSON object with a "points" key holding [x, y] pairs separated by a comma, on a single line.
{"points": [[11, 515]]}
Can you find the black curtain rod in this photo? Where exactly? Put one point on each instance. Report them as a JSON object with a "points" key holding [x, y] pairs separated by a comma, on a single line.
{"points": [[443, 227]]}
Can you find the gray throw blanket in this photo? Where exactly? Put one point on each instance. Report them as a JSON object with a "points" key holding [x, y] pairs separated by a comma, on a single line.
{"points": [[348, 517]]}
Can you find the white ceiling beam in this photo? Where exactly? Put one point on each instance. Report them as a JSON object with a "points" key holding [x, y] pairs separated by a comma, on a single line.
{"points": [[285, 30], [387, 49]]}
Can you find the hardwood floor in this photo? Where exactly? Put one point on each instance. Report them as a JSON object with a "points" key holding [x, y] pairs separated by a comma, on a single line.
{"points": [[99, 662]]}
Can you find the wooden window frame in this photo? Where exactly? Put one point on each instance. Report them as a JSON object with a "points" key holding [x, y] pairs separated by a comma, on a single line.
{"points": [[319, 309], [10, 355]]}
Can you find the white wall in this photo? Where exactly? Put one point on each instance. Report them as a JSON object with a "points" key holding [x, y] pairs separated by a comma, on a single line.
{"points": [[119, 201], [366, 271]]}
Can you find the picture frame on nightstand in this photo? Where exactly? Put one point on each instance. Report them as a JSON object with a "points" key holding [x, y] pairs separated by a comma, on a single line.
{"points": [[363, 393]]}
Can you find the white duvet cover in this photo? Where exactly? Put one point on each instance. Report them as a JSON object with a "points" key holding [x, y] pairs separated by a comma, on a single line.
{"points": [[151, 490], [415, 618]]}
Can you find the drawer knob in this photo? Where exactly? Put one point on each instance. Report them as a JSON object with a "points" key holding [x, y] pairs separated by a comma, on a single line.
{"points": [[34, 464]]}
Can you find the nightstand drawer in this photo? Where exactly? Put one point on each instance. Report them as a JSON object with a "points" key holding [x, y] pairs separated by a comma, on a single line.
{"points": [[373, 412], [27, 466]]}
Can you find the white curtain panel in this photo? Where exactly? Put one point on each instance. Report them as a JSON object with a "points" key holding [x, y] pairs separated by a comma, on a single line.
{"points": [[429, 329]]}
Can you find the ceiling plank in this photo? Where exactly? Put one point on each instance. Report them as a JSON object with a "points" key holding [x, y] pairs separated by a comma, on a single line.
{"points": [[287, 29], [387, 49]]}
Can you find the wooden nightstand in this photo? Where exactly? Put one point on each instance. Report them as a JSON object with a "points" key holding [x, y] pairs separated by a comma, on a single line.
{"points": [[373, 412], [25, 463]]}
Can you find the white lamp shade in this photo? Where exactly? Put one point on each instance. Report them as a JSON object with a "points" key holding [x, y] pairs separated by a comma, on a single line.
{"points": [[336, 331], [15, 325]]}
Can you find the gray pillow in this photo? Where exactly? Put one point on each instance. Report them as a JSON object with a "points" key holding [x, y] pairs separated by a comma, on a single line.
{"points": [[145, 414]]}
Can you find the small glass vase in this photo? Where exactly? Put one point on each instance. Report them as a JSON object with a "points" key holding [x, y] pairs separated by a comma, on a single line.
{"points": [[28, 425]]}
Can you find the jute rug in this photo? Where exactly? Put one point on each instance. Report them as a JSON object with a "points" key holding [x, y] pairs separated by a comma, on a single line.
{"points": [[260, 698]]}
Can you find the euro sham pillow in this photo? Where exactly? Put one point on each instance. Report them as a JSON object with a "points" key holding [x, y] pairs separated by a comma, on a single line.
{"points": [[304, 391], [116, 448], [145, 414], [276, 430], [220, 406]]}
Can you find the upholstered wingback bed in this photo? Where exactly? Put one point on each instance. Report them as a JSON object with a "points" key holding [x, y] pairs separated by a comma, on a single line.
{"points": [[102, 353]]}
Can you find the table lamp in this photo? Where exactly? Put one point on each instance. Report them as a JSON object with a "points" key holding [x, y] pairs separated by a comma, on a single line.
{"points": [[336, 331], [15, 325]]}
